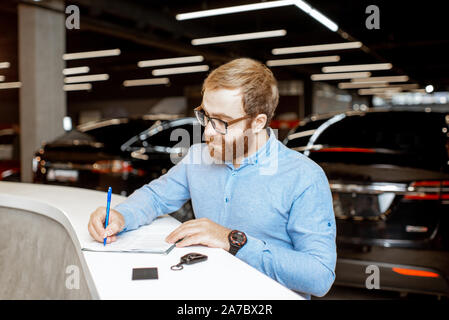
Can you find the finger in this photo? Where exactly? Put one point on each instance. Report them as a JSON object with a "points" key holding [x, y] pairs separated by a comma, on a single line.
{"points": [[190, 240], [94, 233], [111, 239], [182, 232], [174, 236], [97, 222], [113, 228]]}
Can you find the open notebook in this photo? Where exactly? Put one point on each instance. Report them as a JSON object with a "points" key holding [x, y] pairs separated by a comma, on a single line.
{"points": [[146, 239]]}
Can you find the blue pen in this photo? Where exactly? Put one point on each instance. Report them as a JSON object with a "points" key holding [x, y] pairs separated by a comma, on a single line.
{"points": [[107, 212]]}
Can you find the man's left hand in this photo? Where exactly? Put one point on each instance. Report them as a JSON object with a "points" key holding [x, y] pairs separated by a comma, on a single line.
{"points": [[200, 231]]}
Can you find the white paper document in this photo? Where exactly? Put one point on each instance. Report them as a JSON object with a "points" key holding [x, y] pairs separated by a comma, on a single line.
{"points": [[146, 239]]}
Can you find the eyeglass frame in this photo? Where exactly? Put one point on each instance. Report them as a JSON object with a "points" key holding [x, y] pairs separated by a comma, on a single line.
{"points": [[226, 123]]}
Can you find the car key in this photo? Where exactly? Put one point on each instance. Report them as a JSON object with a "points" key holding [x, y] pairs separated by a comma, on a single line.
{"points": [[189, 258]]}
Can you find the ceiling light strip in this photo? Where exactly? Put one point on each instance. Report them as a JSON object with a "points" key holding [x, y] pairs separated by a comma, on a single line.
{"points": [[233, 9], [383, 79], [77, 70], [87, 78], [259, 6], [337, 76], [358, 67], [239, 37], [169, 61], [77, 87], [168, 71], [298, 61], [10, 85], [354, 85], [145, 82], [372, 91], [91, 54], [318, 47]]}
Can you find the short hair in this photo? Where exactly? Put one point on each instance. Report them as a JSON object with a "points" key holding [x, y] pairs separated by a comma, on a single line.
{"points": [[257, 83]]}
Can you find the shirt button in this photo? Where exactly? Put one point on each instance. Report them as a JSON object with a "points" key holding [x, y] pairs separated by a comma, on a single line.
{"points": [[226, 199], [233, 173]]}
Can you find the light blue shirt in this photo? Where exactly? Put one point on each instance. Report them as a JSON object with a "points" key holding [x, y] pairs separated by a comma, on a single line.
{"points": [[278, 197]]}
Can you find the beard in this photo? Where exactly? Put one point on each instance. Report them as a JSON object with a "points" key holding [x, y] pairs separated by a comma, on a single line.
{"points": [[223, 150]]}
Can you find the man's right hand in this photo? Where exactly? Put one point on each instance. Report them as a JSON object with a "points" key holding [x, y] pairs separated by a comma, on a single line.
{"points": [[96, 228]]}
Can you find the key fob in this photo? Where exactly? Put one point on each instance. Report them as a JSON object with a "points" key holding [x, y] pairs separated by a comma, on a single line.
{"points": [[192, 258]]}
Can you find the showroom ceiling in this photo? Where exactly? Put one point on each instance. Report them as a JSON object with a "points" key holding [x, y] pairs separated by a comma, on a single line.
{"points": [[412, 39]]}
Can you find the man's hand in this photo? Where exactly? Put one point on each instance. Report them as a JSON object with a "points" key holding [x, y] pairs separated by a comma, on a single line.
{"points": [[96, 228], [200, 231]]}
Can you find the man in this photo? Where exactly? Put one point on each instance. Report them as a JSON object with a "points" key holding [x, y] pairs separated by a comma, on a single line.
{"points": [[252, 196]]}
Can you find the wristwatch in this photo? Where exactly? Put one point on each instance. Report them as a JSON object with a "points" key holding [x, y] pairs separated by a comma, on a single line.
{"points": [[237, 240]]}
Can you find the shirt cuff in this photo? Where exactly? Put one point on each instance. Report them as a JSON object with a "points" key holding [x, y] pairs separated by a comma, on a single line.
{"points": [[251, 252], [127, 215]]}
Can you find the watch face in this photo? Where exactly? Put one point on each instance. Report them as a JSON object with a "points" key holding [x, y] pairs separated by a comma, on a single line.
{"points": [[238, 238]]}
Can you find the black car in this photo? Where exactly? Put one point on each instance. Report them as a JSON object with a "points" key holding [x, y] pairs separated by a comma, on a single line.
{"points": [[120, 153], [389, 175]]}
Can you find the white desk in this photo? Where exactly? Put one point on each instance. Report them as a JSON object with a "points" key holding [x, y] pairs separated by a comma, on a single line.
{"points": [[108, 275]]}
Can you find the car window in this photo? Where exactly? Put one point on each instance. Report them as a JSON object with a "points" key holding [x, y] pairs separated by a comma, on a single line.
{"points": [[114, 135], [180, 133]]}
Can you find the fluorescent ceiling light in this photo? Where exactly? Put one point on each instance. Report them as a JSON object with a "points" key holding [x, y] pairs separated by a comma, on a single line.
{"points": [[92, 77], [77, 70], [2, 78], [354, 85], [4, 65], [77, 87], [91, 54], [383, 79], [162, 62], [10, 85], [239, 37], [358, 85], [145, 82], [259, 6], [167, 71], [358, 67], [318, 47], [234, 9], [372, 91], [336, 76], [289, 62]]}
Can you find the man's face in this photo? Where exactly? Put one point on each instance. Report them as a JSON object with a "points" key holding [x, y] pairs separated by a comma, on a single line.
{"points": [[227, 105]]}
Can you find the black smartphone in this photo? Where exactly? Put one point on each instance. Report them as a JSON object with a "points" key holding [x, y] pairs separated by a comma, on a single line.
{"points": [[144, 273]]}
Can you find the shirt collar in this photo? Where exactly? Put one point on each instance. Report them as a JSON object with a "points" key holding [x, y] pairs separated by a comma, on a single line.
{"points": [[260, 155]]}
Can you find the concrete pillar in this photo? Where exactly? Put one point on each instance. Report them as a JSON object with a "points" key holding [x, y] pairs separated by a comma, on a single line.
{"points": [[42, 99]]}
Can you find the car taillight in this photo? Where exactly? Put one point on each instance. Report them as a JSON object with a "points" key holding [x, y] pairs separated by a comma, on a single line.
{"points": [[429, 190], [416, 272], [115, 166]]}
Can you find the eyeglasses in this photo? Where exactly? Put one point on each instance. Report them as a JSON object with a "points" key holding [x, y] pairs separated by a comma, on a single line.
{"points": [[219, 125]]}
